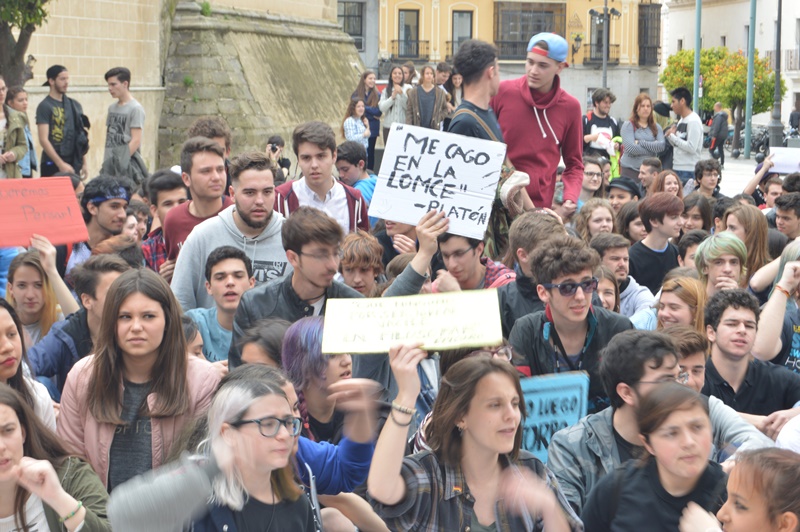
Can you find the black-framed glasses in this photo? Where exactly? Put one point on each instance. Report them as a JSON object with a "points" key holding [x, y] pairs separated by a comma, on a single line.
{"points": [[270, 426], [569, 289], [505, 352], [590, 175]]}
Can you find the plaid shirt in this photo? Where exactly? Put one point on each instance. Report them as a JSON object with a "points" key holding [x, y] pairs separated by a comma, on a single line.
{"points": [[497, 274], [155, 250], [438, 499]]}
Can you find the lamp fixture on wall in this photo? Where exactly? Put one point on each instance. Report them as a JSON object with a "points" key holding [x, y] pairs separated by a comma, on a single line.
{"points": [[576, 45]]}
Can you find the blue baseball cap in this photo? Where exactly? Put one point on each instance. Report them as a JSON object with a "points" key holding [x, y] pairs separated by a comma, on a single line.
{"points": [[557, 48]]}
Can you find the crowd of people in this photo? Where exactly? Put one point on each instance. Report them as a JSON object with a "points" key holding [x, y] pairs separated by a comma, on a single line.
{"points": [[168, 373]]}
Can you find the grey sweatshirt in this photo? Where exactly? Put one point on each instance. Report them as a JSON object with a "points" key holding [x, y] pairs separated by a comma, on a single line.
{"points": [[634, 298], [265, 251]]}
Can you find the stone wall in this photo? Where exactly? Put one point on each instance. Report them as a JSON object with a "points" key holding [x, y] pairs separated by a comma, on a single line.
{"points": [[263, 73]]}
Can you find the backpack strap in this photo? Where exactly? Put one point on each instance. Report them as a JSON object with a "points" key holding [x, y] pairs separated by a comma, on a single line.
{"points": [[478, 119]]}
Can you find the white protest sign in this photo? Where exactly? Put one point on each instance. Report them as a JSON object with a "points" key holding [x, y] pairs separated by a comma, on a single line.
{"points": [[441, 321], [426, 169], [787, 160]]}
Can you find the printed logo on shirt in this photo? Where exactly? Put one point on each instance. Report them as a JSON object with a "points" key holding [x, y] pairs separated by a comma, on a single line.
{"points": [[57, 127], [268, 270], [140, 426], [793, 360], [116, 130]]}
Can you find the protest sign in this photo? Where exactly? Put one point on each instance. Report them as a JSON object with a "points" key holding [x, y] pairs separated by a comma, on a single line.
{"points": [[441, 321], [553, 402], [426, 169], [46, 207], [787, 160]]}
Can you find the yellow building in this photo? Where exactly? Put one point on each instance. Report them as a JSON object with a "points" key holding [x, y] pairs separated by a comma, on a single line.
{"points": [[428, 31]]}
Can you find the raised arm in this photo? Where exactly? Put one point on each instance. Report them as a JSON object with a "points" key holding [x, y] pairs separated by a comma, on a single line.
{"points": [[768, 342], [384, 483], [752, 185], [47, 253]]}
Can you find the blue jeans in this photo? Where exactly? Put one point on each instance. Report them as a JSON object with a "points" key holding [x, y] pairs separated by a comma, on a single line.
{"points": [[685, 175]]}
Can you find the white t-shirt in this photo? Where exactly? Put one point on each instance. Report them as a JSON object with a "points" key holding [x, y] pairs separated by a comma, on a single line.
{"points": [[44, 405], [34, 517]]}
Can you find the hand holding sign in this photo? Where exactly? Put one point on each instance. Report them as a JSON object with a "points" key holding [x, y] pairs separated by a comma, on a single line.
{"points": [[424, 169]]}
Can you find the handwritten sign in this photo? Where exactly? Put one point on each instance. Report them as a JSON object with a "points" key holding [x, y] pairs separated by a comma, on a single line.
{"points": [[787, 160], [46, 207], [425, 169], [440, 321], [553, 402]]}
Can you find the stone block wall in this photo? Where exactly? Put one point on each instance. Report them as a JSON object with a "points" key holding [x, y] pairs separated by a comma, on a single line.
{"points": [[263, 73]]}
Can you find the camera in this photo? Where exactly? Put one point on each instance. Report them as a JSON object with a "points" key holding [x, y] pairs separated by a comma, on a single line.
{"points": [[273, 148]]}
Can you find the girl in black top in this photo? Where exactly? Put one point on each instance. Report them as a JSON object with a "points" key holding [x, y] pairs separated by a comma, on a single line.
{"points": [[675, 429]]}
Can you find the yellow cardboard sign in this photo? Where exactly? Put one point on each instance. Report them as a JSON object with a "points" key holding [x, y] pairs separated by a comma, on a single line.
{"points": [[441, 321]]}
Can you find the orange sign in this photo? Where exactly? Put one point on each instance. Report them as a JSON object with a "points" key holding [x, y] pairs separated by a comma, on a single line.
{"points": [[45, 206]]}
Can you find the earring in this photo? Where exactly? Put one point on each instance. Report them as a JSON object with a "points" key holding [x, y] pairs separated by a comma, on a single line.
{"points": [[460, 430]]}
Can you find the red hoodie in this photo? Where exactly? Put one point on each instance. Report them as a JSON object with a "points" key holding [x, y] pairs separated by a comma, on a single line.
{"points": [[539, 133]]}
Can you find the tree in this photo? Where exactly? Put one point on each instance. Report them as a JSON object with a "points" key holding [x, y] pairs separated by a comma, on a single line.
{"points": [[24, 16], [724, 80]]}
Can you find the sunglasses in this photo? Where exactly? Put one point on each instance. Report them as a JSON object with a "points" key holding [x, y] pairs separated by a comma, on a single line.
{"points": [[569, 289]]}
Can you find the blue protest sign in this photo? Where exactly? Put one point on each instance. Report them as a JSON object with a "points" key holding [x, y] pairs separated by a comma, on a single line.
{"points": [[553, 402]]}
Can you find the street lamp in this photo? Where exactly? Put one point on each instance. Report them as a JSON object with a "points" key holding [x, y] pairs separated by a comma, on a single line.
{"points": [[775, 126], [605, 18]]}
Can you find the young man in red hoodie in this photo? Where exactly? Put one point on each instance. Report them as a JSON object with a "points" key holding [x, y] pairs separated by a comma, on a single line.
{"points": [[542, 123]]}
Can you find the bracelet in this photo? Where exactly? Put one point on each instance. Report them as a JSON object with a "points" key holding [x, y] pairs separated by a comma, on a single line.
{"points": [[71, 514], [403, 409], [391, 415], [783, 291]]}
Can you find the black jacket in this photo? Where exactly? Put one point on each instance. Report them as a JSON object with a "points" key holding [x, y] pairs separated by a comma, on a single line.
{"points": [[276, 300], [528, 339], [520, 298]]}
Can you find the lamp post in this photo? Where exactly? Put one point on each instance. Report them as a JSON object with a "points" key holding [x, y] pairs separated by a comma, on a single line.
{"points": [[775, 126], [605, 16]]}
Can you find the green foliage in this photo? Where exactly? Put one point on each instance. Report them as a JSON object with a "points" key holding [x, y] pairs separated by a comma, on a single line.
{"points": [[724, 78], [188, 82], [22, 13], [205, 9]]}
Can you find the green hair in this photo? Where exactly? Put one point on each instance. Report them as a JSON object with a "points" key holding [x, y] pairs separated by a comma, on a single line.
{"points": [[718, 244]]}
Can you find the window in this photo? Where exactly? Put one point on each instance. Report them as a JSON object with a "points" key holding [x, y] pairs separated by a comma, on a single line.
{"points": [[680, 44], [351, 19], [723, 41], [408, 33], [462, 31], [515, 22]]}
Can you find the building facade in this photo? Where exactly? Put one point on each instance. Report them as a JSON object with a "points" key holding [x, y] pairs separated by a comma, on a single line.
{"points": [[727, 23]]}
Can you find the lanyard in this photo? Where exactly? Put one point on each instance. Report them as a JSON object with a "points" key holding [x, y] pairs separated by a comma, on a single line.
{"points": [[560, 347]]}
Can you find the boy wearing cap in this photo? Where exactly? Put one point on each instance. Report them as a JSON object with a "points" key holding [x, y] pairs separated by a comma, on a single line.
{"points": [[541, 123], [57, 119], [623, 190]]}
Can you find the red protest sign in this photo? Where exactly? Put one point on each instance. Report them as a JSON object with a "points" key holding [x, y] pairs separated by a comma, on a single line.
{"points": [[46, 207]]}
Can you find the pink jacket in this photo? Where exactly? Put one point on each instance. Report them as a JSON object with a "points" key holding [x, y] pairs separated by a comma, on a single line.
{"points": [[92, 440]]}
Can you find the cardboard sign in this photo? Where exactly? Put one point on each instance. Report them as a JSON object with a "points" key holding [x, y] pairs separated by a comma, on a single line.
{"points": [[441, 321], [425, 169], [46, 207], [553, 402], [787, 160]]}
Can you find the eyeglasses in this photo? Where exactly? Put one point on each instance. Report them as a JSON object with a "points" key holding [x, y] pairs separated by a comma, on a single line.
{"points": [[270, 426], [569, 289], [456, 254], [504, 352], [324, 257], [681, 378], [593, 174]]}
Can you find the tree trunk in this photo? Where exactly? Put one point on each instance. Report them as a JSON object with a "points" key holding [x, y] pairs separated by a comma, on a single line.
{"points": [[12, 55]]}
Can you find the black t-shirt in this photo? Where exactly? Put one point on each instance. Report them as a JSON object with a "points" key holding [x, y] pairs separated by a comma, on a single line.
{"points": [[330, 431], [649, 267], [465, 124], [632, 499], [286, 515], [789, 354], [766, 388], [593, 125], [625, 449], [132, 447]]}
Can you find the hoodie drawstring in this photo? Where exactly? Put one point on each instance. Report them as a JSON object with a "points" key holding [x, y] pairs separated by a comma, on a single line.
{"points": [[539, 120]]}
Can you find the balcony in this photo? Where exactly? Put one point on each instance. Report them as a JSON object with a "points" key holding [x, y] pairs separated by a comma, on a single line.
{"points": [[648, 55], [411, 50], [791, 60], [452, 49], [770, 56], [512, 49], [593, 54]]}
